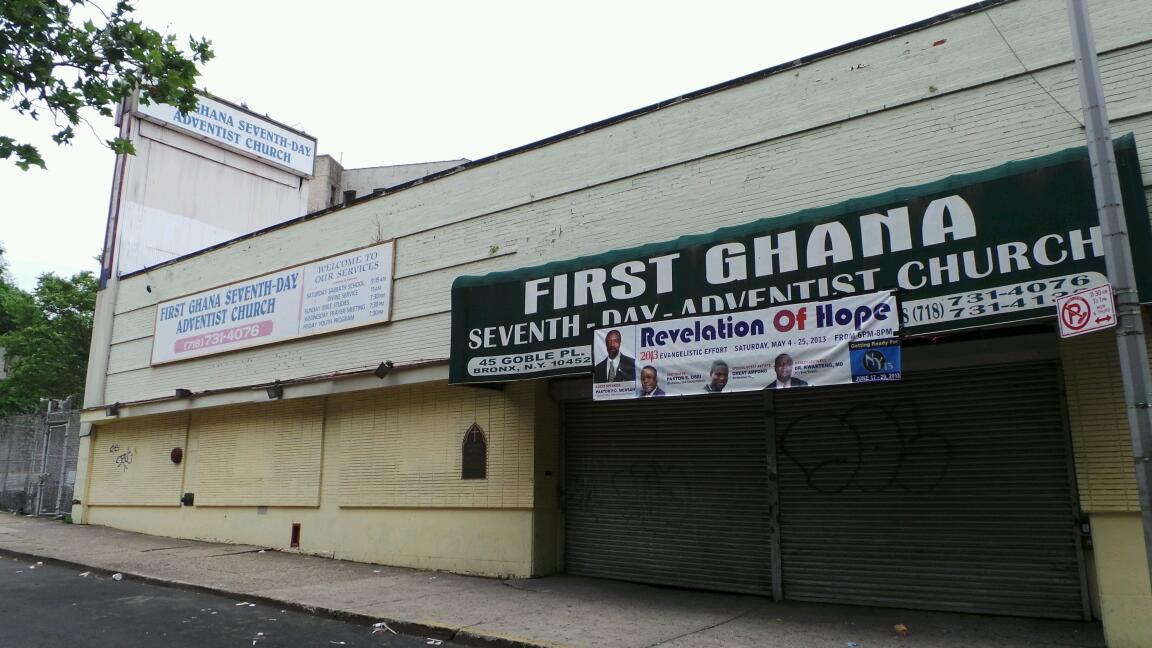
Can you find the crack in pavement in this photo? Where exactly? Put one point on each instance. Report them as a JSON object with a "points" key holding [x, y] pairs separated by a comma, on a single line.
{"points": [[234, 553], [520, 588], [663, 642]]}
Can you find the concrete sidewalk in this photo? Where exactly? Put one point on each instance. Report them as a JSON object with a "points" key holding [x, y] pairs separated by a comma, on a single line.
{"points": [[551, 611]]}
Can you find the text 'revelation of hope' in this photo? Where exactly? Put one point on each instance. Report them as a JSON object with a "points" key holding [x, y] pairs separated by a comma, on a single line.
{"points": [[846, 340], [345, 291]]}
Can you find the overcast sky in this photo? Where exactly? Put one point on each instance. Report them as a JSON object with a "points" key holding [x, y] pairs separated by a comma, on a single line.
{"points": [[392, 83]]}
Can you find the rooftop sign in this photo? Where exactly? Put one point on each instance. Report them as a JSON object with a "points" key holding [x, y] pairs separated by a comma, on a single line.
{"points": [[236, 128]]}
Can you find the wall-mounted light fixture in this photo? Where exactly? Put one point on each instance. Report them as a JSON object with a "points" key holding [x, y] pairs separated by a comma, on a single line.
{"points": [[113, 409], [384, 369], [183, 393], [275, 390]]}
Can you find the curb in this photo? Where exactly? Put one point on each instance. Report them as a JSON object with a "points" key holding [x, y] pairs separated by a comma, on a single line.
{"points": [[459, 636]]}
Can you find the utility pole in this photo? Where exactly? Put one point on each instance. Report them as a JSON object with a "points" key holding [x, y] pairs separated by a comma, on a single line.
{"points": [[1118, 257]]}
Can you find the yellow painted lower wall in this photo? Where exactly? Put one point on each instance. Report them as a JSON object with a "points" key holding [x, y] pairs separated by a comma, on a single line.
{"points": [[548, 530], [372, 476], [131, 462], [1122, 578], [488, 542], [1106, 481], [1098, 421]]}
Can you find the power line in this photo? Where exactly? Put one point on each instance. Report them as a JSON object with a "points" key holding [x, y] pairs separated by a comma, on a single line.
{"points": [[1029, 72]]}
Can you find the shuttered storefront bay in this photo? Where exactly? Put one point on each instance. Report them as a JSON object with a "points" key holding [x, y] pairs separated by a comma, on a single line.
{"points": [[671, 491], [950, 490]]}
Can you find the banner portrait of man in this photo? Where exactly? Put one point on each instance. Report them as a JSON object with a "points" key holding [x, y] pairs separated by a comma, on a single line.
{"points": [[782, 365], [616, 366]]}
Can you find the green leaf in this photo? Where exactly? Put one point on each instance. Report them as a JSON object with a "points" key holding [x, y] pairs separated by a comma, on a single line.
{"points": [[46, 336], [121, 146], [51, 63]]}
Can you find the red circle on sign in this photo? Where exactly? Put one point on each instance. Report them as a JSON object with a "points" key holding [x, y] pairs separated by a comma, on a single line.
{"points": [[1076, 313]]}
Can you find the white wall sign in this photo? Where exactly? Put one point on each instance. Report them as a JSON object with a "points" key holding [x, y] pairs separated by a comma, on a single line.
{"points": [[1086, 311], [340, 292], [219, 122]]}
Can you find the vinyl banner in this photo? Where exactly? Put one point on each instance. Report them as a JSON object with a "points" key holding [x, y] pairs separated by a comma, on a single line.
{"points": [[847, 340], [974, 250], [332, 294]]}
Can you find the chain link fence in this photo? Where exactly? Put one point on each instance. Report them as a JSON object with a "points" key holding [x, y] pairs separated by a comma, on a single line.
{"points": [[38, 460]]}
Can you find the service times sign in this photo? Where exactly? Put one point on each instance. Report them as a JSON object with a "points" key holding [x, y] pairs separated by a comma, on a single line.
{"points": [[984, 248], [345, 291]]}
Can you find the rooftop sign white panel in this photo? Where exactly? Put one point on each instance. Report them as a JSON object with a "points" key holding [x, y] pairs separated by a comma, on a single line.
{"points": [[233, 127]]}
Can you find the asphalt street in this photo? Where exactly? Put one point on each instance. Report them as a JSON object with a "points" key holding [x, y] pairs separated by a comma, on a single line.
{"points": [[47, 606]]}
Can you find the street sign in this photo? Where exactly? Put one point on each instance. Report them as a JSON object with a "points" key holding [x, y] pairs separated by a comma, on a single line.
{"points": [[1086, 311]]}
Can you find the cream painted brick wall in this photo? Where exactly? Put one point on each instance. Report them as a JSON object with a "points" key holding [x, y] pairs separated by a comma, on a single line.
{"points": [[398, 448], [260, 456], [131, 462], [134, 325], [897, 113], [401, 447], [1097, 417]]}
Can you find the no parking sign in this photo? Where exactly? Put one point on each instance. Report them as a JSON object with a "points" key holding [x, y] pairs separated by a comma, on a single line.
{"points": [[1086, 311]]}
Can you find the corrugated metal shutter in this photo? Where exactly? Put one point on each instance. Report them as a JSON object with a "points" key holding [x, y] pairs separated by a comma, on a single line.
{"points": [[671, 491], [950, 490]]}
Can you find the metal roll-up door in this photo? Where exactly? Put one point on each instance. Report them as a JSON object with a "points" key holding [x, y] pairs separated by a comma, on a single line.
{"points": [[670, 491], [951, 490]]}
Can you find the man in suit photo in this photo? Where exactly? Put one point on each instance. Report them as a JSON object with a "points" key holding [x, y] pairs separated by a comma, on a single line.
{"points": [[617, 367], [783, 366], [649, 383]]}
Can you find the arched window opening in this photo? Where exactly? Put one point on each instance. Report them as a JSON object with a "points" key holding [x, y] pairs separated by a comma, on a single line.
{"points": [[474, 453]]}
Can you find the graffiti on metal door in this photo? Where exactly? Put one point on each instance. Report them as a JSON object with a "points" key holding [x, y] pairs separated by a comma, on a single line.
{"points": [[871, 447]]}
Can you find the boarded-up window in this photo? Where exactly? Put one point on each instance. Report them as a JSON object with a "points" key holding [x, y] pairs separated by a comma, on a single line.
{"points": [[403, 446], [268, 455], [474, 464], [131, 462]]}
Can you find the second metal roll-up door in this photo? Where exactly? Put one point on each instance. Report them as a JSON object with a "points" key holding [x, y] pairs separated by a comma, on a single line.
{"points": [[670, 491], [950, 490]]}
